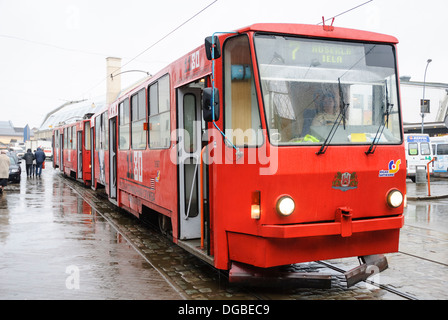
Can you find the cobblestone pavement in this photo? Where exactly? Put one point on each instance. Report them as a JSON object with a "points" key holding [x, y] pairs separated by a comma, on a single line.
{"points": [[55, 235]]}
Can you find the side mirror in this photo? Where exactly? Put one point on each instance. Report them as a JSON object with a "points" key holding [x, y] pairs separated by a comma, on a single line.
{"points": [[207, 110], [209, 47]]}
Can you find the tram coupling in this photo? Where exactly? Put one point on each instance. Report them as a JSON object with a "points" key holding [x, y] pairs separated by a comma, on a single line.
{"points": [[244, 274], [369, 265]]}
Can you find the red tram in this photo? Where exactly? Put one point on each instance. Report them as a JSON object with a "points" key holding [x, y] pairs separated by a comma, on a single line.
{"points": [[71, 150], [271, 145]]}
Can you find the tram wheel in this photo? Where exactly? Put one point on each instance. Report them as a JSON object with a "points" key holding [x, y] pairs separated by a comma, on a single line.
{"points": [[165, 224]]}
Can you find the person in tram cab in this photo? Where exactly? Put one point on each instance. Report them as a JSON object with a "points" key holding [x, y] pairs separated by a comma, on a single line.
{"points": [[326, 115], [4, 170]]}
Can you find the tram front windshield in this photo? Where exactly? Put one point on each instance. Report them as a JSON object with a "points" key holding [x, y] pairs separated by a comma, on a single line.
{"points": [[334, 91]]}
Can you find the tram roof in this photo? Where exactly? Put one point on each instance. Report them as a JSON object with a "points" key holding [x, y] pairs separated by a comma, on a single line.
{"points": [[70, 112], [320, 31]]}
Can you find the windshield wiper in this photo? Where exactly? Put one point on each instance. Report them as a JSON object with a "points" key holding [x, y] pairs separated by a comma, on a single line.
{"points": [[341, 116], [384, 122]]}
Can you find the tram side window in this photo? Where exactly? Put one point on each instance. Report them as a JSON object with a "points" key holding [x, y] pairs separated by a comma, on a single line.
{"points": [[101, 129], [56, 139], [74, 138], [70, 138], [159, 113], [87, 135], [138, 115], [65, 138], [105, 130], [242, 116], [123, 120], [97, 132]]}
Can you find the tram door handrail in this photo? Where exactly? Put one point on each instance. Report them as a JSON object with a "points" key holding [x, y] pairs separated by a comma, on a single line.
{"points": [[201, 183]]}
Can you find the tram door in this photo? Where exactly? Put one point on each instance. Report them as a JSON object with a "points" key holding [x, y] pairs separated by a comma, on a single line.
{"points": [[61, 152], [56, 149], [113, 158], [189, 151], [79, 154], [92, 155]]}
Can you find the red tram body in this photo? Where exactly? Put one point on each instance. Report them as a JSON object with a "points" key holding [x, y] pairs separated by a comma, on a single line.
{"points": [[268, 178], [71, 148], [100, 149]]}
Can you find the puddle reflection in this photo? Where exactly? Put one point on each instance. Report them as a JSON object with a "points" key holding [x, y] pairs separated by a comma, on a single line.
{"points": [[433, 215]]}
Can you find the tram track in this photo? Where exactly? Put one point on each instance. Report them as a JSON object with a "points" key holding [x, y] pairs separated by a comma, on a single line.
{"points": [[423, 258], [370, 282], [416, 231], [221, 276], [87, 195], [406, 230], [89, 199]]}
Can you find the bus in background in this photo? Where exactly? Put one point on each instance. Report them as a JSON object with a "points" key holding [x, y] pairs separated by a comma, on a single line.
{"points": [[440, 153], [418, 154]]}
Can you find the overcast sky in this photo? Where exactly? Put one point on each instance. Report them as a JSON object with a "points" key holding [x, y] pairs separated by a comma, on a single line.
{"points": [[53, 51]]}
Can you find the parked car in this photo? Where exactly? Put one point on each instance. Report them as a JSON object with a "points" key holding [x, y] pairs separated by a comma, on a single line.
{"points": [[14, 169], [18, 151]]}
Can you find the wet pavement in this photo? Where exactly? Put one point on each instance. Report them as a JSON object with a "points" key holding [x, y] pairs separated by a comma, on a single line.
{"points": [[53, 245], [59, 240], [436, 189]]}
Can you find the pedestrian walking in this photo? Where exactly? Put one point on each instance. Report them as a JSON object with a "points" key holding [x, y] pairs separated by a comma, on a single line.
{"points": [[29, 158], [40, 158], [34, 164], [4, 170]]}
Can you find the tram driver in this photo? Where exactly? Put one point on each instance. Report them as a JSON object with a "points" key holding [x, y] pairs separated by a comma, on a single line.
{"points": [[326, 112]]}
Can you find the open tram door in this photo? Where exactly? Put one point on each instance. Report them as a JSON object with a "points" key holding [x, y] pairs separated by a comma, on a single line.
{"points": [[61, 151], [189, 155], [79, 154], [113, 158], [92, 155], [57, 144]]}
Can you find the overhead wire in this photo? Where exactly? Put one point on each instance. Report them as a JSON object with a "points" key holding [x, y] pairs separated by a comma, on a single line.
{"points": [[152, 45], [346, 11], [51, 45], [168, 34]]}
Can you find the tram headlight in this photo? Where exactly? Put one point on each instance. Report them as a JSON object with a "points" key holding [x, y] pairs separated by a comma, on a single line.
{"points": [[285, 206], [255, 211], [394, 198]]}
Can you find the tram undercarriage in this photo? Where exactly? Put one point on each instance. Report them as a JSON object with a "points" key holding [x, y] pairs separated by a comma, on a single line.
{"points": [[253, 276]]}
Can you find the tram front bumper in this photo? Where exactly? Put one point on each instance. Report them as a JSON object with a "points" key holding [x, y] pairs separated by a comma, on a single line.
{"points": [[276, 245], [345, 227]]}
